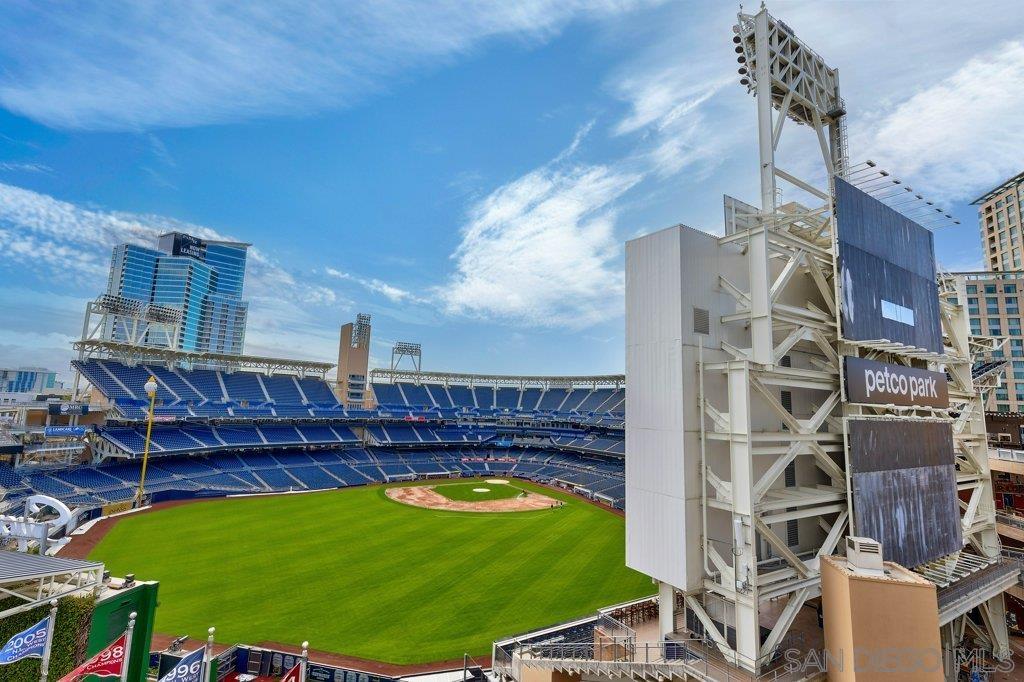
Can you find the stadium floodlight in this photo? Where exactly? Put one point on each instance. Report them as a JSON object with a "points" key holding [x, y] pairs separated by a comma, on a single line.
{"points": [[150, 387]]}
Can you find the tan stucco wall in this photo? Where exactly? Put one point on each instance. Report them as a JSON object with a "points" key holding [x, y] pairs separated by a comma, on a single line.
{"points": [[880, 628]]}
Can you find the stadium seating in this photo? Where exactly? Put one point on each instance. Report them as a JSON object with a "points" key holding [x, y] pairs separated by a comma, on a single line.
{"points": [[317, 392], [245, 386], [283, 389], [208, 393]]}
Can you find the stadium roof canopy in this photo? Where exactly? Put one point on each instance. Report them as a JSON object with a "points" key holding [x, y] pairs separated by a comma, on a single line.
{"points": [[446, 378], [133, 353], [34, 579]]}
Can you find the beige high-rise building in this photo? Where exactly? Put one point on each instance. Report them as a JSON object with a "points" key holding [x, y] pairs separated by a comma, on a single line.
{"points": [[354, 362], [999, 212], [994, 295]]}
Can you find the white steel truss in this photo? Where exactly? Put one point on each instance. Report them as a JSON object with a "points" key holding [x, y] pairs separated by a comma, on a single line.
{"points": [[795, 246], [790, 308]]}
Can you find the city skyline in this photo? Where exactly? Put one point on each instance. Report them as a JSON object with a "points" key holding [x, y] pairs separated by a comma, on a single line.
{"points": [[482, 217]]}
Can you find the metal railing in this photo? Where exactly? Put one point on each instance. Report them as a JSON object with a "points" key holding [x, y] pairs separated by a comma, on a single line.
{"points": [[1010, 520], [1015, 555], [1007, 454]]}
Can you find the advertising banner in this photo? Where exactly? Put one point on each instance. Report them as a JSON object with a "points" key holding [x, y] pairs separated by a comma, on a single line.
{"points": [[67, 409], [187, 245], [63, 431], [880, 383]]}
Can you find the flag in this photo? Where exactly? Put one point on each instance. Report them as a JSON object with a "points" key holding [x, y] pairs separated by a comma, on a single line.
{"points": [[188, 669], [27, 643], [293, 675], [108, 663]]}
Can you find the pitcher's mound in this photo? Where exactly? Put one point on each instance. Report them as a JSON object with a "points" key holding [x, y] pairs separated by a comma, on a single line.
{"points": [[481, 490], [425, 496]]}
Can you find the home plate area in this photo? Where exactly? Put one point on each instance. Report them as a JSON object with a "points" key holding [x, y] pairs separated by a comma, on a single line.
{"points": [[428, 497]]}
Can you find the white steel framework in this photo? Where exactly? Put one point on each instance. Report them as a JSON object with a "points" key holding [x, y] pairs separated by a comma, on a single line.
{"points": [[796, 246]]}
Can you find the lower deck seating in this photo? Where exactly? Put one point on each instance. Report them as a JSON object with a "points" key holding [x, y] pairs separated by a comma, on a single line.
{"points": [[284, 469]]}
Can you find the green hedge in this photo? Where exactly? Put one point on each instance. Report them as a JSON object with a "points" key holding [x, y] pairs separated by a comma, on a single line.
{"points": [[74, 617]]}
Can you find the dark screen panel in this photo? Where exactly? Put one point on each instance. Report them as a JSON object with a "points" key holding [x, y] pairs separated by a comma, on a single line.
{"points": [[887, 273], [904, 488]]}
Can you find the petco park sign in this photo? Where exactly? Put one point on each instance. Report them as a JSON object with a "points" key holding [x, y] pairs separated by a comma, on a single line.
{"points": [[880, 383]]}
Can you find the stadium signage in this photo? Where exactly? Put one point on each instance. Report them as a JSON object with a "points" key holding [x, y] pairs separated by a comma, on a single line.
{"points": [[67, 409], [63, 431], [187, 245], [880, 383]]}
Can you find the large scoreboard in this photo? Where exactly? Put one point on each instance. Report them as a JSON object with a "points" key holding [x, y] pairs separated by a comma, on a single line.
{"points": [[887, 273], [902, 470]]}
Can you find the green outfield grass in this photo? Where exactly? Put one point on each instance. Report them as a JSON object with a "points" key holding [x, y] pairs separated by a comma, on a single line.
{"points": [[356, 573], [464, 492]]}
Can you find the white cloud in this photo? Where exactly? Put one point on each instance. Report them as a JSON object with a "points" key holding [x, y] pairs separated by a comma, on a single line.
{"points": [[389, 291], [962, 134], [542, 250], [25, 167], [289, 316], [75, 241], [123, 65]]}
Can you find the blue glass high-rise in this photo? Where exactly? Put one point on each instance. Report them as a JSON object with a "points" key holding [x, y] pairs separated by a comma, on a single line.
{"points": [[203, 279]]}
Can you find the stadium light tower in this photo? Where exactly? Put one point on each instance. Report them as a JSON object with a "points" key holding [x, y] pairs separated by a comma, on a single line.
{"points": [[151, 392], [402, 350]]}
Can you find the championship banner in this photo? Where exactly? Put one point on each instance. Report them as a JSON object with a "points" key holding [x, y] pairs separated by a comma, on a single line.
{"points": [[108, 663], [188, 669], [26, 644], [293, 675]]}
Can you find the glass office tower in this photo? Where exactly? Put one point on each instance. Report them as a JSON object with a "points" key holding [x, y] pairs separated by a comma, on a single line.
{"points": [[203, 279]]}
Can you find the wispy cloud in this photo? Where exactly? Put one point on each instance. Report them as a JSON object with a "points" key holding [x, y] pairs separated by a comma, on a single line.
{"points": [[389, 291], [123, 65], [960, 135], [288, 316], [25, 167], [542, 250]]}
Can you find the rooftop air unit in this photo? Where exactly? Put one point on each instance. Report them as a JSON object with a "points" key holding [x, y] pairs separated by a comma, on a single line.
{"points": [[865, 556]]}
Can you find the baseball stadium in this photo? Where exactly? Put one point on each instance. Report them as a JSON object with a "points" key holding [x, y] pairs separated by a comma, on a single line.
{"points": [[435, 511], [804, 472]]}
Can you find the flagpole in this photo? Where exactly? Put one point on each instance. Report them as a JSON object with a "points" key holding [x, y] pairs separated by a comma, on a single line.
{"points": [[128, 646], [303, 662], [205, 677], [44, 667]]}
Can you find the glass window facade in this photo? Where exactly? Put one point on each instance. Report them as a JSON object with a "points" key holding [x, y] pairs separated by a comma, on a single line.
{"points": [[204, 280]]}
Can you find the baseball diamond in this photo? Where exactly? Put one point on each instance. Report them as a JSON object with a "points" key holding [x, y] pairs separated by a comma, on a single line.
{"points": [[365, 576]]}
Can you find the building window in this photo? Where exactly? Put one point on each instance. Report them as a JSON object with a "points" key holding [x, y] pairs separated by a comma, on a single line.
{"points": [[972, 288]]}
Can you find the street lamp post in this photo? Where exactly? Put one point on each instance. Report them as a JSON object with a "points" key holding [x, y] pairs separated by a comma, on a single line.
{"points": [[151, 392]]}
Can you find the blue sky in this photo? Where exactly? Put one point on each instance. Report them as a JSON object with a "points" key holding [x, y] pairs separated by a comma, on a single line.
{"points": [[465, 172]]}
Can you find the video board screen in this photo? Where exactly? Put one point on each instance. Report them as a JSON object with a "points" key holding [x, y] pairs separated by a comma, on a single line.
{"points": [[887, 273], [904, 488]]}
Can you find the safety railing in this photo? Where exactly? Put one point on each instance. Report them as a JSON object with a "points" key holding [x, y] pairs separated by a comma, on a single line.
{"points": [[1010, 520]]}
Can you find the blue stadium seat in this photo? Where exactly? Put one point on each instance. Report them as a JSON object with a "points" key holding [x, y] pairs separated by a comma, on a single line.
{"points": [[283, 389], [461, 396], [244, 386], [416, 395], [317, 392], [388, 394]]}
